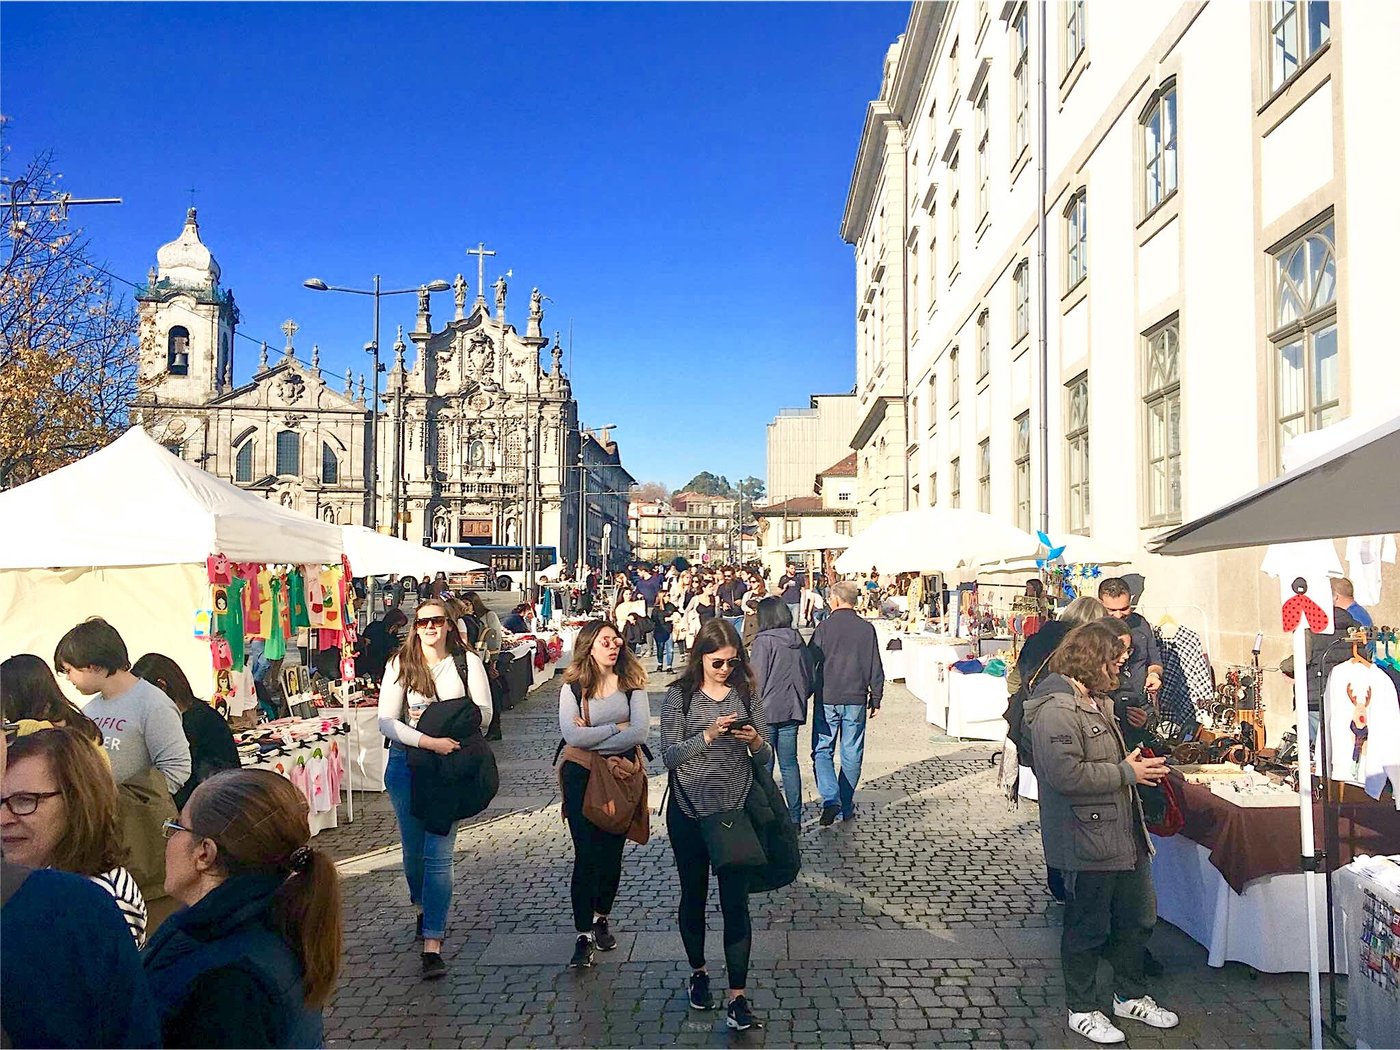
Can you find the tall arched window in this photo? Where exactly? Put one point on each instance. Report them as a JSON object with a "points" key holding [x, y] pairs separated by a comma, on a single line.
{"points": [[177, 351], [288, 452], [330, 466], [243, 465]]}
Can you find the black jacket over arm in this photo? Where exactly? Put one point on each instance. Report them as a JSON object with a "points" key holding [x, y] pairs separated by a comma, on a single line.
{"points": [[448, 788]]}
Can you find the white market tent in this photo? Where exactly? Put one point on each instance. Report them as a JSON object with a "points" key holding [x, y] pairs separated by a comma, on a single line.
{"points": [[375, 554], [935, 539], [1343, 484], [1078, 550], [124, 534], [822, 541]]}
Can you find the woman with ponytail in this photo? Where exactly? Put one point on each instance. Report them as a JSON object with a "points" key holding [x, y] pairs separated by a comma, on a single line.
{"points": [[252, 960]]}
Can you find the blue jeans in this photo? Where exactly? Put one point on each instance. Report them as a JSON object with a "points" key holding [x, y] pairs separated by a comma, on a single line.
{"points": [[846, 722], [427, 858], [783, 738], [737, 622], [665, 651], [795, 611]]}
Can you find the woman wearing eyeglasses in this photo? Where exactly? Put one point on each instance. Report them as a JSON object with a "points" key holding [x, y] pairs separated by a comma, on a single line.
{"points": [[604, 708], [434, 664], [252, 960], [712, 731], [60, 811]]}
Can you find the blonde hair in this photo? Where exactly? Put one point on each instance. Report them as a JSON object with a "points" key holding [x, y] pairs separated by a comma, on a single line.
{"points": [[1081, 611]]}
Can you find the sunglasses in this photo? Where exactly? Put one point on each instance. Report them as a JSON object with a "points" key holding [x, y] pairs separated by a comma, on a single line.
{"points": [[431, 621], [731, 663]]}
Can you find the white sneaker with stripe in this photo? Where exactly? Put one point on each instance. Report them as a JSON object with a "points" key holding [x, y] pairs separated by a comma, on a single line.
{"points": [[1145, 1010], [1095, 1026]]}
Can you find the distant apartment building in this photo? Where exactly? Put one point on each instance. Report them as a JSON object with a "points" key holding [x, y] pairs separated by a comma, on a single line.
{"points": [[710, 526], [657, 532], [1204, 275], [830, 510], [803, 441]]}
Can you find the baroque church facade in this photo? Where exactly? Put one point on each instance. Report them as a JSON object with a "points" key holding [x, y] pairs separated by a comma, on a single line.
{"points": [[478, 440]]}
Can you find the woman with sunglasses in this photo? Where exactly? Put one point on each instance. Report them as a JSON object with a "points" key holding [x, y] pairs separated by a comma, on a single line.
{"points": [[59, 810], [608, 683], [252, 959], [425, 670], [712, 731]]}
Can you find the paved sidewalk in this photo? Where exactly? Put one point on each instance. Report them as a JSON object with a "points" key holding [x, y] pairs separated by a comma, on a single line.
{"points": [[924, 922]]}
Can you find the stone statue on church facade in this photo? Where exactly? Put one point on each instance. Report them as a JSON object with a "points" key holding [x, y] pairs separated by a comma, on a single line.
{"points": [[500, 287], [459, 295]]}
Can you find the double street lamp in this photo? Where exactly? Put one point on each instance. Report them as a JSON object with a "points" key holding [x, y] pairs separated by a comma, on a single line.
{"points": [[372, 348]]}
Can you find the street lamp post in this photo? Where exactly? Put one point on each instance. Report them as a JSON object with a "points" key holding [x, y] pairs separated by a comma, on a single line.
{"points": [[372, 348]]}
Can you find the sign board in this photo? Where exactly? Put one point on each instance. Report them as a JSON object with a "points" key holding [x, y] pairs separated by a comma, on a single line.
{"points": [[476, 528]]}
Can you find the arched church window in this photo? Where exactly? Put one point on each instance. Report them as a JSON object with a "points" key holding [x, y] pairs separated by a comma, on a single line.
{"points": [[330, 466], [177, 351], [476, 453], [243, 465], [288, 452], [515, 454], [444, 446]]}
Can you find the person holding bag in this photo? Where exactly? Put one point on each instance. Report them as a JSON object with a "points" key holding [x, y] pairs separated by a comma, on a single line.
{"points": [[713, 733], [428, 668], [604, 718]]}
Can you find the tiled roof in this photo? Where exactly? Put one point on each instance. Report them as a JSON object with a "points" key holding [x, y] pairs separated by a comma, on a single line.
{"points": [[796, 505], [846, 468]]}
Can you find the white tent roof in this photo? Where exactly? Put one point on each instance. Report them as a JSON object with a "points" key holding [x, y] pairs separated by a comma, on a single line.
{"points": [[935, 539], [133, 503], [375, 554], [826, 541], [1078, 550], [1348, 489]]}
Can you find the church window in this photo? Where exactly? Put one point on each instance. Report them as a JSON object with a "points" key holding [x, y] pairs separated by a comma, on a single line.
{"points": [[444, 448], [515, 455], [330, 466], [288, 452], [243, 465], [177, 351], [476, 453]]}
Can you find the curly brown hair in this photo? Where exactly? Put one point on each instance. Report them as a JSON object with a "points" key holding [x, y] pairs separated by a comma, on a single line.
{"points": [[91, 842], [1087, 655]]}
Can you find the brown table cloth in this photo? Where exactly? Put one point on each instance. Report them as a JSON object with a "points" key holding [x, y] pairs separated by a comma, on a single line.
{"points": [[1249, 843]]}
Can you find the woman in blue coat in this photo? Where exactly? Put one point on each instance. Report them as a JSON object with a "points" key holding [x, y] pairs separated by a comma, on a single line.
{"points": [[782, 670], [252, 960]]}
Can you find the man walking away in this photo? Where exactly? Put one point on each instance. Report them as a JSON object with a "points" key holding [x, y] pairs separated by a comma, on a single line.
{"points": [[730, 594], [850, 686]]}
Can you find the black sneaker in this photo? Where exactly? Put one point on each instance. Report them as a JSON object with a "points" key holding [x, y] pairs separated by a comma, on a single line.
{"points": [[739, 1016], [420, 926], [433, 966], [700, 997], [583, 952], [830, 812], [602, 936]]}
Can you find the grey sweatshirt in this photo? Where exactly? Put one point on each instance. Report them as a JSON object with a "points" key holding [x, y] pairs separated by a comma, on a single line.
{"points": [[141, 728], [604, 712]]}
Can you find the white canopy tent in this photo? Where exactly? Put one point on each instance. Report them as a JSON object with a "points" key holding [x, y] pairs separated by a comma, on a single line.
{"points": [[1078, 550], [935, 539], [1341, 483], [124, 534], [375, 554], [823, 541]]}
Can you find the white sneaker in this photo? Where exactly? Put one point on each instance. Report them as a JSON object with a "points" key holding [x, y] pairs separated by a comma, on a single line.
{"points": [[1145, 1010], [1095, 1026]]}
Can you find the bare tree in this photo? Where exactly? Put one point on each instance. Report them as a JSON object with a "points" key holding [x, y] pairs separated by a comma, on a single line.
{"points": [[68, 345], [650, 492]]}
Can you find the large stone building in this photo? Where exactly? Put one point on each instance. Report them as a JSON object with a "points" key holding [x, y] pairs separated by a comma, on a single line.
{"points": [[1217, 215], [803, 441], [478, 442]]}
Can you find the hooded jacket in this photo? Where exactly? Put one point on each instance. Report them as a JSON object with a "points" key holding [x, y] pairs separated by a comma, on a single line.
{"points": [[1090, 816], [783, 673], [847, 656]]}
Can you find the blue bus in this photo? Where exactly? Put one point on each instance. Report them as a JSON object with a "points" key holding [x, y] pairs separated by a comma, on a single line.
{"points": [[507, 564]]}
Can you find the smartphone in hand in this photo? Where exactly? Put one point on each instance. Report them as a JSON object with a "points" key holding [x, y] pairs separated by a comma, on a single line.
{"points": [[741, 723]]}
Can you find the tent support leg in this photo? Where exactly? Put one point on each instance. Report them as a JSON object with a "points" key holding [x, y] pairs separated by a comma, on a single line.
{"points": [[1305, 821]]}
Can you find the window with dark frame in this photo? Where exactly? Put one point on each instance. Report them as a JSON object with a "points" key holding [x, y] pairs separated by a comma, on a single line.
{"points": [[1298, 29], [330, 465], [243, 463], [1159, 146], [288, 453], [1077, 239], [177, 351], [1021, 282]]}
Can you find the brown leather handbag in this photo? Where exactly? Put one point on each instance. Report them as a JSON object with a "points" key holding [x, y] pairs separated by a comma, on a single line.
{"points": [[616, 797]]}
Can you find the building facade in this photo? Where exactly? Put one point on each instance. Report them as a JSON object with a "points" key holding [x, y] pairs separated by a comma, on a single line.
{"points": [[803, 441], [1199, 276], [710, 527], [478, 439], [829, 510]]}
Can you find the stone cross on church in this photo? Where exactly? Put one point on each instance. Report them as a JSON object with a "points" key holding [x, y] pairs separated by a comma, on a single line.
{"points": [[481, 252], [291, 328]]}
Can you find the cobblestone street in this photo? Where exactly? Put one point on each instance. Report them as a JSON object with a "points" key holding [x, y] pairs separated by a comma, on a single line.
{"points": [[924, 922]]}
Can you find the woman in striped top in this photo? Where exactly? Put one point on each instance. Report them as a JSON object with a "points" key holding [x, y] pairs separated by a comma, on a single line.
{"points": [[60, 811], [712, 731]]}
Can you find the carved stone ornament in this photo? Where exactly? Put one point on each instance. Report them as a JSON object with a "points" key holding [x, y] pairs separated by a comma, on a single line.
{"points": [[483, 356], [290, 388], [291, 419], [176, 427], [480, 401]]}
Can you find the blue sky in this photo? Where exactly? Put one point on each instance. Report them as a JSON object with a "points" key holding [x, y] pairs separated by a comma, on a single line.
{"points": [[671, 176]]}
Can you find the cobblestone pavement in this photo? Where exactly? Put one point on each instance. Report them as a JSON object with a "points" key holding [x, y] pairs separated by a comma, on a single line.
{"points": [[924, 922]]}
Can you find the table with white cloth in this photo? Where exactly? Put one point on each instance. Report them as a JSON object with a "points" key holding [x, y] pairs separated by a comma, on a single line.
{"points": [[976, 706], [365, 753], [927, 659], [283, 761]]}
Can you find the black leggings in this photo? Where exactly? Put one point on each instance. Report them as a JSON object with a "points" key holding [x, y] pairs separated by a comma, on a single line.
{"points": [[693, 865], [597, 854]]}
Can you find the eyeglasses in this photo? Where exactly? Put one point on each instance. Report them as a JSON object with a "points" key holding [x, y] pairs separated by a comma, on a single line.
{"points": [[23, 803], [731, 663], [169, 827], [431, 621]]}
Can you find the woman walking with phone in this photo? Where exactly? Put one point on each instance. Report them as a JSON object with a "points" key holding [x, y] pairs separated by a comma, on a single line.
{"points": [[603, 708], [712, 732], [435, 664]]}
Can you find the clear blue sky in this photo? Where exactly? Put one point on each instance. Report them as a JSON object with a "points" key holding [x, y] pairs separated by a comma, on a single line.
{"points": [[672, 176]]}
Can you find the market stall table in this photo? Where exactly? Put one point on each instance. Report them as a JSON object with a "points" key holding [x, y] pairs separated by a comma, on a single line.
{"points": [[927, 659], [1230, 878], [976, 706]]}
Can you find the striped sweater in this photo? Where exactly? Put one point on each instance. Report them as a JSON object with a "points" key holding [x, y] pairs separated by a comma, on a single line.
{"points": [[715, 777], [119, 883]]}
